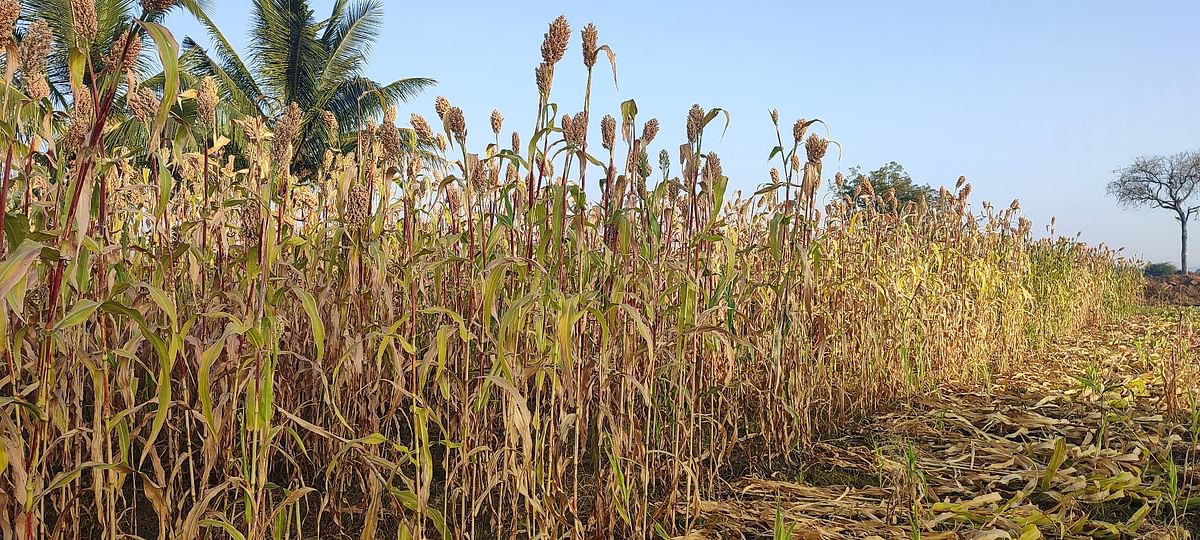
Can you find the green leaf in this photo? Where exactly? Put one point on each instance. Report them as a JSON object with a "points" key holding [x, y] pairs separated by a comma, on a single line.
{"points": [[718, 187], [166, 366], [713, 114], [164, 188], [31, 408], [17, 264], [204, 378], [1056, 461], [165, 303], [374, 438], [79, 313], [168, 56], [66, 477], [16, 228], [229, 529], [117, 308], [76, 63], [314, 319], [83, 211], [629, 110]]}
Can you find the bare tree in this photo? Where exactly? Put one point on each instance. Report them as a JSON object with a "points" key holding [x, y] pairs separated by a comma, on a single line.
{"points": [[1166, 182]]}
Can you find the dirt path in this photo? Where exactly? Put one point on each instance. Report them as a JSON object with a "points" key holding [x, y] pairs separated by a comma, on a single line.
{"points": [[1084, 443]]}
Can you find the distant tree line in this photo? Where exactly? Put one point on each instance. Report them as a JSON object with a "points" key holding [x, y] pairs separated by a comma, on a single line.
{"points": [[1160, 269], [889, 177]]}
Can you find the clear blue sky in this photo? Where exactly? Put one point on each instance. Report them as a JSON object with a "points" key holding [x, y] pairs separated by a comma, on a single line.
{"points": [[1037, 100]]}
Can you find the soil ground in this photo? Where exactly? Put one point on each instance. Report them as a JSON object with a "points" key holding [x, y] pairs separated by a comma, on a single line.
{"points": [[1178, 289]]}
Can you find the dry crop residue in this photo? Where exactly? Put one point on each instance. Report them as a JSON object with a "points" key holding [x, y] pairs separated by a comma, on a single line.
{"points": [[1096, 439]]}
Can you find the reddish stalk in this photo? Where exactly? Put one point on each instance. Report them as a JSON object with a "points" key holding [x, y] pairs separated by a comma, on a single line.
{"points": [[4, 194]]}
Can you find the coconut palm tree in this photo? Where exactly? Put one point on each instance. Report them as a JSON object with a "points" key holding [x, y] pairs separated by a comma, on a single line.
{"points": [[112, 19], [294, 57], [95, 28]]}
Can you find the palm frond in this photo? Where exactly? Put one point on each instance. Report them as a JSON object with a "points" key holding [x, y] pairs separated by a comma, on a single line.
{"points": [[398, 91], [235, 91], [285, 50], [349, 40], [335, 14], [296, 58], [230, 61]]}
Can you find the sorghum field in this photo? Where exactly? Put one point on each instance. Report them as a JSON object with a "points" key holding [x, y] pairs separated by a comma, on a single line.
{"points": [[556, 332]]}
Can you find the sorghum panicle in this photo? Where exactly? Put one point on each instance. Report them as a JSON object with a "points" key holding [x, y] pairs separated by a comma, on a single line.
{"points": [[798, 130], [420, 127], [457, 124], [206, 102], [650, 130], [695, 122], [33, 50], [83, 13], [608, 131], [442, 106], [554, 43], [155, 6], [816, 148], [9, 11], [590, 36], [543, 75], [497, 121]]}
